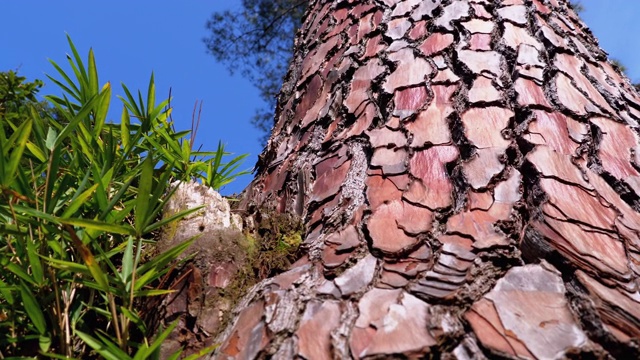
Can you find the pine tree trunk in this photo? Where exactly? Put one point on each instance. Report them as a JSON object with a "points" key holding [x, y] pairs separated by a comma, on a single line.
{"points": [[468, 175]]}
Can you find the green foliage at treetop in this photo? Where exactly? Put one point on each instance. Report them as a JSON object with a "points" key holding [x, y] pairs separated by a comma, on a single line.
{"points": [[80, 200], [257, 41], [576, 6], [16, 95]]}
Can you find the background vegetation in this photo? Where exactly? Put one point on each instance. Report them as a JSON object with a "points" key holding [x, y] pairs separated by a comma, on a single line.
{"points": [[257, 41], [80, 201]]}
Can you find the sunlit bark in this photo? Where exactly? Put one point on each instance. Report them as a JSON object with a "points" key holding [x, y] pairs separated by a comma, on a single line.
{"points": [[467, 172]]}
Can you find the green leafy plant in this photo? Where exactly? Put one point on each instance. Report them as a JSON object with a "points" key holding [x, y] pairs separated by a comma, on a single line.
{"points": [[80, 199]]}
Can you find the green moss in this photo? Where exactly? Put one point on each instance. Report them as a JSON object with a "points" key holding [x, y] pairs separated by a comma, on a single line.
{"points": [[170, 229], [271, 248], [293, 239], [251, 244], [268, 249]]}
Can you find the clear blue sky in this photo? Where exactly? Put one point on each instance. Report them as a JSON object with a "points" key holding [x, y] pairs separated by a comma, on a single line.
{"points": [[133, 38]]}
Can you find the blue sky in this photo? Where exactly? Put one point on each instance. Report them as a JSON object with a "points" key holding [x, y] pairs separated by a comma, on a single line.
{"points": [[133, 38]]}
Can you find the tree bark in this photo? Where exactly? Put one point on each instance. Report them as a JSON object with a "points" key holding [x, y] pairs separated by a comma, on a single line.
{"points": [[468, 175]]}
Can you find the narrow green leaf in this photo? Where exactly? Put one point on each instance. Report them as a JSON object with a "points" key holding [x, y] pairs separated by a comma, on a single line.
{"points": [[155, 267], [219, 154], [113, 281], [72, 89], [68, 265], [38, 122], [94, 267], [108, 352], [78, 202], [83, 78], [127, 263], [51, 138], [168, 156], [35, 151], [99, 226], [85, 223], [161, 192], [172, 141], [4, 148], [32, 308], [160, 113], [84, 112], [94, 143], [170, 219], [20, 272], [111, 148], [174, 356], [200, 354], [52, 175], [100, 311], [6, 292], [56, 247], [63, 189], [125, 128], [145, 110], [53, 356], [144, 192], [45, 343], [144, 352], [108, 341], [89, 283], [181, 134], [116, 250], [61, 104], [116, 198], [135, 319], [20, 143], [118, 216], [13, 229], [203, 153], [24, 184], [153, 292], [35, 213], [107, 177], [102, 109], [131, 103], [101, 191], [34, 261], [93, 73], [151, 95], [83, 185], [72, 108], [210, 178]]}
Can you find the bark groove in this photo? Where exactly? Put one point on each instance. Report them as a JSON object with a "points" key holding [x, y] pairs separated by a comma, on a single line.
{"points": [[468, 174]]}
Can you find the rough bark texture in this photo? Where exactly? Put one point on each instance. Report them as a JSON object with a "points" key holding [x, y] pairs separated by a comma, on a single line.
{"points": [[220, 250], [468, 175]]}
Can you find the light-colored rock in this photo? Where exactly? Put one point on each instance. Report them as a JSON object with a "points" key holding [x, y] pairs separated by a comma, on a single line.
{"points": [[214, 225]]}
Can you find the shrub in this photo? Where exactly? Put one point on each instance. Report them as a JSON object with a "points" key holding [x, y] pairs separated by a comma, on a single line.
{"points": [[79, 200]]}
